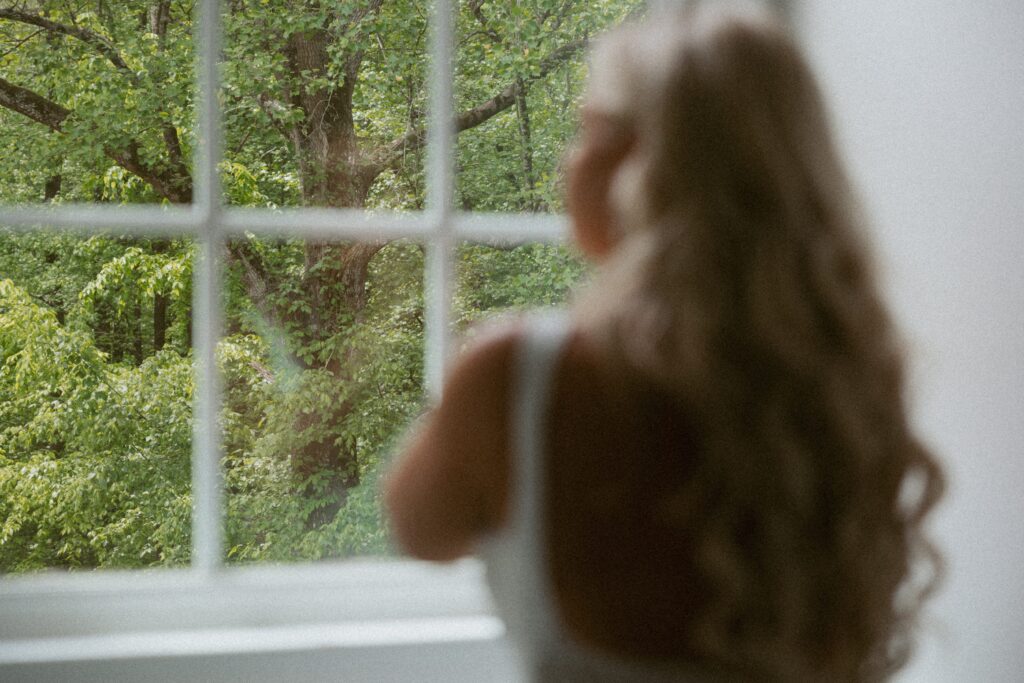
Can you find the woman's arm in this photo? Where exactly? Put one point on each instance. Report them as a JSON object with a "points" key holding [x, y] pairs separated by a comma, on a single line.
{"points": [[449, 485]]}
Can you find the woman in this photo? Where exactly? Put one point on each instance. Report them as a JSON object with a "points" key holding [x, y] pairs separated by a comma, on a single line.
{"points": [[705, 471]]}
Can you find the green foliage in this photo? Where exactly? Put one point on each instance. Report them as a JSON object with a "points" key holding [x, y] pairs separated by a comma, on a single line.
{"points": [[93, 457], [494, 279], [111, 106], [96, 376]]}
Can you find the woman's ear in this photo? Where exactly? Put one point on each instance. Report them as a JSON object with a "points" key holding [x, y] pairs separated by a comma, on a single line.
{"points": [[590, 169]]}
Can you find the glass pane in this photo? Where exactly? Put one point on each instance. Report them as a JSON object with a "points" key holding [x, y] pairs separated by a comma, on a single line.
{"points": [[96, 388], [96, 102], [325, 103], [323, 364], [520, 71], [495, 280]]}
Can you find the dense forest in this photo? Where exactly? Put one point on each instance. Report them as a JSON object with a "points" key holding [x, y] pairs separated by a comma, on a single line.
{"points": [[324, 105]]}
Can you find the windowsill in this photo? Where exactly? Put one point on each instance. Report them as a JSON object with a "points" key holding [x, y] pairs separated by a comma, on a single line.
{"points": [[380, 616], [222, 642]]}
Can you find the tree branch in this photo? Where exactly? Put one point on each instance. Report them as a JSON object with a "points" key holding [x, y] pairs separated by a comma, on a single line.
{"points": [[275, 109], [559, 15], [357, 17], [95, 40], [32, 105], [21, 42], [172, 186], [471, 118], [159, 15], [175, 185], [476, 7], [257, 279], [355, 59], [174, 152]]}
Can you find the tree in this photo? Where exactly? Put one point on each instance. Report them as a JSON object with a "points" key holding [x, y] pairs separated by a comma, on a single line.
{"points": [[324, 106], [93, 457]]}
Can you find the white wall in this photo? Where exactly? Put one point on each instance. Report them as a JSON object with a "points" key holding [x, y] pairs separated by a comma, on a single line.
{"points": [[928, 97]]}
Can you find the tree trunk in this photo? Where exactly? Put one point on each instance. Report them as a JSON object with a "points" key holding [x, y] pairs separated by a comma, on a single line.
{"points": [[526, 147], [137, 350], [104, 333], [52, 188], [335, 172], [160, 321], [332, 173], [158, 16], [161, 302]]}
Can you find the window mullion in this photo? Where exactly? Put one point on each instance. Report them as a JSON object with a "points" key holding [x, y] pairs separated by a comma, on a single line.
{"points": [[440, 196], [207, 190], [207, 480], [207, 494]]}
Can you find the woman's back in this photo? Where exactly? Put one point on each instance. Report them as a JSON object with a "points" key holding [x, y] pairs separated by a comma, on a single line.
{"points": [[584, 563], [617, 454]]}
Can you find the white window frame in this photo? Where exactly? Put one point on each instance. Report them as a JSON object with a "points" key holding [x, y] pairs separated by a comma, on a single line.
{"points": [[353, 620], [388, 617]]}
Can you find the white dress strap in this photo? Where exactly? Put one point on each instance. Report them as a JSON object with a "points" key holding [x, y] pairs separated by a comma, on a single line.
{"points": [[538, 353]]}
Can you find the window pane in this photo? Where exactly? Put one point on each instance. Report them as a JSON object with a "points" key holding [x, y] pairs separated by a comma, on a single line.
{"points": [[520, 72], [323, 364], [96, 385], [494, 280], [325, 103], [96, 102]]}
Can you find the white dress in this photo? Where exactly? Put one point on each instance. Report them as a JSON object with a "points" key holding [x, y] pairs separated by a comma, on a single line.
{"points": [[516, 556]]}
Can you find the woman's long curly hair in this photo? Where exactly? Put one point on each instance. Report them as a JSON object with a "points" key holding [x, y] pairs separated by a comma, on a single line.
{"points": [[742, 286]]}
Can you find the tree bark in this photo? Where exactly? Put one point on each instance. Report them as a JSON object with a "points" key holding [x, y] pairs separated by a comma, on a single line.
{"points": [[332, 173], [137, 345], [159, 15], [32, 105], [159, 321], [526, 147], [52, 187]]}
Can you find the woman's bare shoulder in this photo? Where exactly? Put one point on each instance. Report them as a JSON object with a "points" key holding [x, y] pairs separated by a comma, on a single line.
{"points": [[448, 487]]}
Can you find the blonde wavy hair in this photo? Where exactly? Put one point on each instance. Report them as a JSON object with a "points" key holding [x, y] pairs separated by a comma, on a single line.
{"points": [[742, 286]]}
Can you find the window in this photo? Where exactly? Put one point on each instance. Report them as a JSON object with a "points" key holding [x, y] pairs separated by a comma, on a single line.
{"points": [[454, 224]]}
